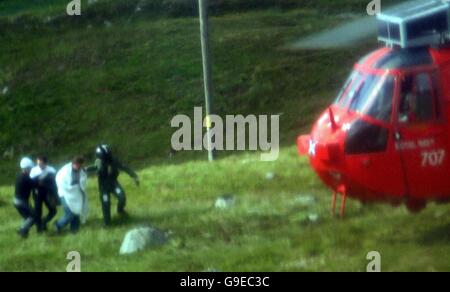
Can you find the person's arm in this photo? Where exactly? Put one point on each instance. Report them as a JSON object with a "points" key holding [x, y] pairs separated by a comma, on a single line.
{"points": [[34, 181], [18, 189], [33, 185], [34, 173], [93, 168], [83, 180], [128, 170]]}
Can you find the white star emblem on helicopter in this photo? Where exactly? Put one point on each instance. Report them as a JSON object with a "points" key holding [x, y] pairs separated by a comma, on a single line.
{"points": [[312, 148], [346, 127]]}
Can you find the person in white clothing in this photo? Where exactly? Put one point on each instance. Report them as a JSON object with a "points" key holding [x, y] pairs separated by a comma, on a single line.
{"points": [[71, 181], [43, 176]]}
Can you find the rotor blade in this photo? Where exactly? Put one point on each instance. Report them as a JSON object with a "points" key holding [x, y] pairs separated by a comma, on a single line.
{"points": [[342, 36], [350, 33]]}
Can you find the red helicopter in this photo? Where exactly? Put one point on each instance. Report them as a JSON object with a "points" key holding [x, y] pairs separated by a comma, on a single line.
{"points": [[386, 136]]}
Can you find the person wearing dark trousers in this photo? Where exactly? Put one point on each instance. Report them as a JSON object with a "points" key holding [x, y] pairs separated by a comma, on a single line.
{"points": [[46, 192], [108, 169], [23, 190]]}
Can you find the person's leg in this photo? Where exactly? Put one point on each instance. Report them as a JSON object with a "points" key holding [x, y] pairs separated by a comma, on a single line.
{"points": [[38, 202], [105, 199], [51, 206], [121, 197], [26, 226], [75, 224], [22, 209], [26, 212], [66, 219]]}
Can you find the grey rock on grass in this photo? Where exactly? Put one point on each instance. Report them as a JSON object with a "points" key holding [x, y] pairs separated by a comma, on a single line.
{"points": [[225, 202], [143, 238], [313, 218]]}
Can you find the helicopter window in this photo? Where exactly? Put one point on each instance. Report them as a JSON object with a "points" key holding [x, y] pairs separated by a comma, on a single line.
{"points": [[344, 88], [375, 97], [379, 105], [417, 102], [361, 94], [349, 89], [364, 137]]}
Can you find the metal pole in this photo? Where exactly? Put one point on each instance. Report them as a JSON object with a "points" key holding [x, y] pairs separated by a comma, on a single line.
{"points": [[207, 75]]}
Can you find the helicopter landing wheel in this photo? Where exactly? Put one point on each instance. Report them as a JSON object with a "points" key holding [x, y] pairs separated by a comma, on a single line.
{"points": [[341, 190]]}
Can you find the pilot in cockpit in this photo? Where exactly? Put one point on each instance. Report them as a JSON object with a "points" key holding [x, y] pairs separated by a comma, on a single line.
{"points": [[408, 113]]}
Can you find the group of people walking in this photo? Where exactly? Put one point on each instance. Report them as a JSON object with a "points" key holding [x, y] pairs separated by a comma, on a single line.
{"points": [[68, 188]]}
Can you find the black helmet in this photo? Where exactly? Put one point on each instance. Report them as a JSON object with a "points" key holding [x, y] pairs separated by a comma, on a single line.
{"points": [[103, 152]]}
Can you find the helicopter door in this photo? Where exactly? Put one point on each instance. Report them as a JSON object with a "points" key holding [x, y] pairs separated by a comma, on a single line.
{"points": [[420, 138]]}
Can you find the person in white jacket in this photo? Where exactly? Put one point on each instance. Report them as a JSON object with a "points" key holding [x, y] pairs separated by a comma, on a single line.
{"points": [[71, 181]]}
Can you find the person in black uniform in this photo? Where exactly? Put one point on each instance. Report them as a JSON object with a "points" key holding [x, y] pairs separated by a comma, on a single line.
{"points": [[108, 169], [46, 193], [23, 190]]}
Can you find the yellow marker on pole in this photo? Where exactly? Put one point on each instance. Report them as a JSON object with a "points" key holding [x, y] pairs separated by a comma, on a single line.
{"points": [[207, 75], [207, 123]]}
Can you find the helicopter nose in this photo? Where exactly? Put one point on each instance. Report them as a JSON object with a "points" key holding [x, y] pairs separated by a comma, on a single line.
{"points": [[323, 151], [326, 152], [303, 145]]}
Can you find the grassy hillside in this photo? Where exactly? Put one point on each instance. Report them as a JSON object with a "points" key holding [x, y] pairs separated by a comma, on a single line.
{"points": [[103, 80], [14, 8]]}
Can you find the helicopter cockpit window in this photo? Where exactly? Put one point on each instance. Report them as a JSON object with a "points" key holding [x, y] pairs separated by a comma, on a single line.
{"points": [[375, 97], [417, 102], [349, 88]]}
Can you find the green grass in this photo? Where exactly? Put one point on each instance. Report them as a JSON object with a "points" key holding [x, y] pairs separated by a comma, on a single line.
{"points": [[267, 229], [121, 78], [37, 7]]}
